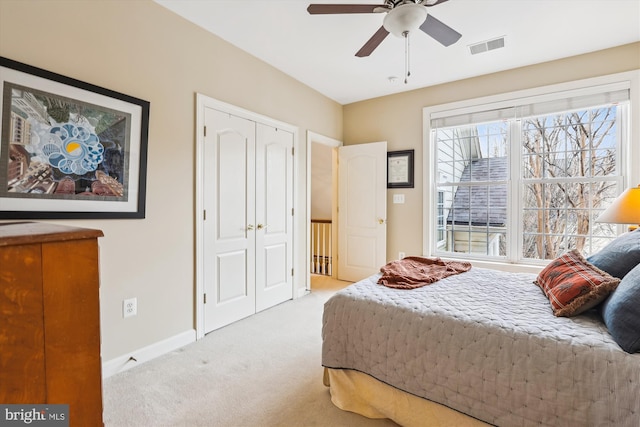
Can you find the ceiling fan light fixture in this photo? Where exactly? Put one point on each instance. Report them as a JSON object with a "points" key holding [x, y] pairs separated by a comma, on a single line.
{"points": [[405, 18]]}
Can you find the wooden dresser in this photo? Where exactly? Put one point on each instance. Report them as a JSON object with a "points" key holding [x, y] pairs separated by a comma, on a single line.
{"points": [[50, 318]]}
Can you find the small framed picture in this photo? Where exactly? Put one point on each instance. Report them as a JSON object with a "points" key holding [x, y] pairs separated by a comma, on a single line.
{"points": [[400, 169]]}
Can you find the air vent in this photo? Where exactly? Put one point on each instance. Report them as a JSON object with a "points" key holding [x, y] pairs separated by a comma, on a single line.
{"points": [[487, 45]]}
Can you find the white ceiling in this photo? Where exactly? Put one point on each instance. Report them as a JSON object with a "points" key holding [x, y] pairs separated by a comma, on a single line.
{"points": [[319, 50]]}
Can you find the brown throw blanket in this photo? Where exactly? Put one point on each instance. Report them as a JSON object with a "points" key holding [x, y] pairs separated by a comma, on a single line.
{"points": [[414, 272]]}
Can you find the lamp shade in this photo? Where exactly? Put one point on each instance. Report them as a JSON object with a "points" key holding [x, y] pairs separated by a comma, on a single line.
{"points": [[625, 209], [405, 18]]}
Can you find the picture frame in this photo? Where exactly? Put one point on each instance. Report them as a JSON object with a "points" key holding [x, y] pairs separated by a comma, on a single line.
{"points": [[69, 149], [400, 169]]}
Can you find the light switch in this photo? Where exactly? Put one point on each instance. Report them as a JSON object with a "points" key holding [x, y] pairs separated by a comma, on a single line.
{"points": [[398, 198]]}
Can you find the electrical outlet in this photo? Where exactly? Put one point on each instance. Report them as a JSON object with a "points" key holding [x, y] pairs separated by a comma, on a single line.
{"points": [[130, 307], [400, 255]]}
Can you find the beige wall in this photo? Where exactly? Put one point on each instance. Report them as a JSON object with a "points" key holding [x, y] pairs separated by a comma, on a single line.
{"points": [[141, 49], [397, 119], [321, 181]]}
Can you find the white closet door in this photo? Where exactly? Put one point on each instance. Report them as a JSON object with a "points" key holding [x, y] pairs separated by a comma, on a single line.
{"points": [[274, 216], [229, 228]]}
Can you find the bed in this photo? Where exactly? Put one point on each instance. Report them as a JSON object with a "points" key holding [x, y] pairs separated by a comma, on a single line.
{"points": [[476, 348]]}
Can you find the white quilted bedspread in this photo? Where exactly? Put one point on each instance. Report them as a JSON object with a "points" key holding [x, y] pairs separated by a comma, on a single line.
{"points": [[485, 343]]}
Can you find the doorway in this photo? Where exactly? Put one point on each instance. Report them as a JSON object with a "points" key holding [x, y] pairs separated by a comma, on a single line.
{"points": [[358, 235], [322, 227]]}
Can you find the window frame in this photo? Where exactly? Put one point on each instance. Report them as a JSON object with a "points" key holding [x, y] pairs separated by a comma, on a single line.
{"points": [[440, 216], [629, 155]]}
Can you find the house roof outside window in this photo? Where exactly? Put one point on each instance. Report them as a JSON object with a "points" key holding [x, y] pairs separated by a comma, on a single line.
{"points": [[483, 205]]}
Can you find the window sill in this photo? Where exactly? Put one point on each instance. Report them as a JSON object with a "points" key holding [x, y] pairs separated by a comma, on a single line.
{"points": [[502, 266]]}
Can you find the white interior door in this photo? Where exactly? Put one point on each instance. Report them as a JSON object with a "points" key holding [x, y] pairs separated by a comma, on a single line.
{"points": [[362, 210], [274, 216], [229, 227]]}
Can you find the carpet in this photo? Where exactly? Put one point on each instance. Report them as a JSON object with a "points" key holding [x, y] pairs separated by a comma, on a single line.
{"points": [[264, 370]]}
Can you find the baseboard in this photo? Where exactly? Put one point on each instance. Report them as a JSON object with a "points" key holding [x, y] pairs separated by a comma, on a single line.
{"points": [[137, 357]]}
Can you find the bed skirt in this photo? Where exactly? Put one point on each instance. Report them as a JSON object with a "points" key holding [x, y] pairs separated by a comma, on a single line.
{"points": [[357, 392]]}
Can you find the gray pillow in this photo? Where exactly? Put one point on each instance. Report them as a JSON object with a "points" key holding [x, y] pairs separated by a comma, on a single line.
{"points": [[621, 312], [619, 256]]}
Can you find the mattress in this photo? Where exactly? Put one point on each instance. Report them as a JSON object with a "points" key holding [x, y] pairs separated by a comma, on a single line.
{"points": [[487, 344]]}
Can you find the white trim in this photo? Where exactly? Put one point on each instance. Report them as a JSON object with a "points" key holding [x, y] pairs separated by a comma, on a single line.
{"points": [[502, 266], [137, 357], [202, 102], [633, 157], [531, 96], [629, 79], [325, 140]]}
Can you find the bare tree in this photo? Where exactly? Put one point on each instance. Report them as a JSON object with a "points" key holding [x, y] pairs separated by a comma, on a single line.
{"points": [[573, 145]]}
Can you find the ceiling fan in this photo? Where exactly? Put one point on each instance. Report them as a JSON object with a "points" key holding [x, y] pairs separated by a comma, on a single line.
{"points": [[402, 18]]}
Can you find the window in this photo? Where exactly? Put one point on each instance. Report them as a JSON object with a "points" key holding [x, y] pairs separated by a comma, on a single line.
{"points": [[524, 181], [473, 170], [569, 175]]}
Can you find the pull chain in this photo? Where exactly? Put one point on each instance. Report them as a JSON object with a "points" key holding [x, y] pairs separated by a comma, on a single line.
{"points": [[407, 72]]}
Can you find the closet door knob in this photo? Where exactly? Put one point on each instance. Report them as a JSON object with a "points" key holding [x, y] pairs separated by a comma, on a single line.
{"points": [[260, 226], [250, 227]]}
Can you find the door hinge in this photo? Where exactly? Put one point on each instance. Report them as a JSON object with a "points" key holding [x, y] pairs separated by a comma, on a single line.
{"points": [[293, 151], [205, 298], [292, 271], [204, 215], [291, 211], [205, 131]]}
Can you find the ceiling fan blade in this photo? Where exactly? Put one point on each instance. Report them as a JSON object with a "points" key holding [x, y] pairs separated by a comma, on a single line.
{"points": [[429, 3], [372, 43], [322, 9], [440, 31]]}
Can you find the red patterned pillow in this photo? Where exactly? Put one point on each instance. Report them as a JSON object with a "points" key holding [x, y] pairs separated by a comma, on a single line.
{"points": [[573, 285]]}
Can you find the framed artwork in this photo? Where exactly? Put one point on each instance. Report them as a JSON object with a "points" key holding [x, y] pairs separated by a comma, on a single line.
{"points": [[69, 149], [400, 169]]}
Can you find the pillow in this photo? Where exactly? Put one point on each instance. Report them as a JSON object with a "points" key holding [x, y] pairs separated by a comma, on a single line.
{"points": [[621, 312], [573, 285], [619, 256]]}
